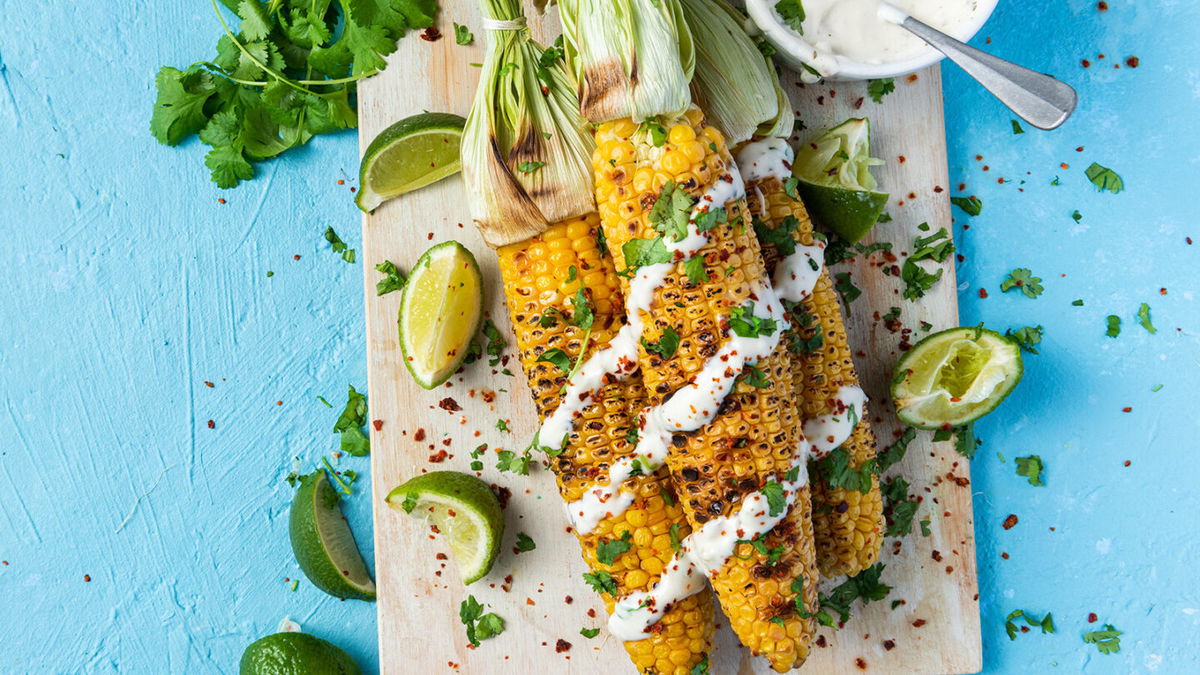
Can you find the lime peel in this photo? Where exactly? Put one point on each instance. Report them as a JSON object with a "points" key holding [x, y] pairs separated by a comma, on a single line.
{"points": [[441, 308], [410, 154], [323, 543], [835, 180], [466, 512]]}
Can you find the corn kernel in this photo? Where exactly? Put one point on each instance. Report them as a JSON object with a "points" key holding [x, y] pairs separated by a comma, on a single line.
{"points": [[675, 162]]}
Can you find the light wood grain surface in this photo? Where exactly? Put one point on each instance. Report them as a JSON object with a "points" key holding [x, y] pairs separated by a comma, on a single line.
{"points": [[541, 594]]}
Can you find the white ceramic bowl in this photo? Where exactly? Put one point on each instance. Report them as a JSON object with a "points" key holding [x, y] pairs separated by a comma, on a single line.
{"points": [[792, 48]]}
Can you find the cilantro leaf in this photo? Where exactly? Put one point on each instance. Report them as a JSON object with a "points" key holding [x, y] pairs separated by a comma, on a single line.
{"points": [[643, 252], [846, 288], [463, 35], [589, 633], [511, 462], [779, 236], [608, 550], [1017, 128], [525, 543], [899, 507], [1105, 178], [1114, 326], [971, 205], [601, 582], [696, 272], [495, 342], [836, 470], [792, 13], [1107, 641], [393, 281], [671, 211], [1023, 279], [895, 452], [744, 323], [349, 425], [179, 104], [700, 668], [1031, 467], [558, 358], [754, 377], [917, 280], [667, 344], [776, 501], [877, 89], [1143, 317], [925, 248], [1026, 337]]}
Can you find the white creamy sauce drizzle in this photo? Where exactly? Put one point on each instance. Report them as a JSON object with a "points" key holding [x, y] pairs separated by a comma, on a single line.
{"points": [[866, 31], [695, 404], [768, 158], [827, 432]]}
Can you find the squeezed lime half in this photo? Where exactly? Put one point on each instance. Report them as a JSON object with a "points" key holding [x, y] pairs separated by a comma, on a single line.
{"points": [[835, 180], [410, 154], [955, 377], [440, 311], [323, 543], [465, 511]]}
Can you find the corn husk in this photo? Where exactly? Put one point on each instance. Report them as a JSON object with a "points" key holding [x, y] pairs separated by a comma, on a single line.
{"points": [[631, 58], [526, 151]]}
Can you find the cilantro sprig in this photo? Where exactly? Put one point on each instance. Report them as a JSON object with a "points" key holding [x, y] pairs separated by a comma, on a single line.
{"points": [[480, 626], [285, 76]]}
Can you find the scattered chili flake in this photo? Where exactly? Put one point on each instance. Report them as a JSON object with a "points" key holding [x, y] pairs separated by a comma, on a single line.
{"points": [[210, 385], [562, 646], [438, 457], [1127, 462], [1085, 63], [431, 34], [1102, 6], [341, 182], [821, 642], [212, 424], [861, 663], [449, 404], [1004, 555], [1092, 617], [912, 78], [889, 645], [918, 623], [503, 494], [903, 159], [1126, 409], [220, 200], [1010, 521], [378, 424], [982, 293], [354, 189], [419, 435], [568, 599]]}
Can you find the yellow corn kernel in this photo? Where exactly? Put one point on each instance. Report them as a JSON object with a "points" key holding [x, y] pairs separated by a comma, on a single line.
{"points": [[675, 162], [681, 133]]}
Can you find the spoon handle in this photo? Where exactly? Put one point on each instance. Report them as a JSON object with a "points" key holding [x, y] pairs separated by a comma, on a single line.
{"points": [[1041, 100]]}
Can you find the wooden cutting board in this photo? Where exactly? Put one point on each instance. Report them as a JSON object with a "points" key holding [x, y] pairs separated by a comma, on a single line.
{"points": [[540, 594]]}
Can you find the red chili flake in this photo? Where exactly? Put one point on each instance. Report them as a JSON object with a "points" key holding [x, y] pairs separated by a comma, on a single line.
{"points": [[861, 663], [503, 494], [562, 646], [1004, 555], [1188, 240], [903, 159], [438, 457], [296, 257], [986, 167], [378, 424], [568, 599], [278, 402], [449, 404], [591, 612], [354, 189], [1103, 7], [858, 103], [529, 601], [210, 385], [1065, 165], [937, 189], [821, 642], [889, 645], [937, 555], [820, 100], [86, 577], [983, 293], [912, 78], [1092, 617], [430, 238], [431, 34], [1085, 63], [1162, 291], [1126, 409], [918, 623], [5, 562], [212, 424], [220, 200], [1127, 462], [1010, 521], [1024, 629], [341, 182], [419, 435]]}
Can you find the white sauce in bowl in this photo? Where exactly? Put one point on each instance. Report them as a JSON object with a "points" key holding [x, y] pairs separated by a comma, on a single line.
{"points": [[848, 37]]}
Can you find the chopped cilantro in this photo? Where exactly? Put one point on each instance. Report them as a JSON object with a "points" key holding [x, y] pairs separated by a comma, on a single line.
{"points": [[925, 531], [710, 218], [1077, 303], [1114, 326], [697, 273], [1107, 641], [1023, 279], [779, 236], [392, 281], [676, 542], [917, 280], [1076, 215], [658, 133], [700, 668], [480, 626], [755, 377], [792, 13], [971, 205], [789, 187], [339, 246], [836, 471], [502, 425], [670, 212], [776, 501], [495, 342], [846, 288], [1143, 317], [589, 633], [1031, 467], [667, 343], [463, 35], [865, 586], [1027, 337], [349, 424], [507, 460], [1016, 128], [895, 452], [643, 252], [525, 543], [804, 324], [601, 582], [1046, 624], [877, 89], [744, 323], [925, 248], [557, 358], [1105, 178], [899, 507], [609, 549]]}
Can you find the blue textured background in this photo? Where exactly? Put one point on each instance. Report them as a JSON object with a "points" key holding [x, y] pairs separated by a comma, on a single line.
{"points": [[128, 286]]}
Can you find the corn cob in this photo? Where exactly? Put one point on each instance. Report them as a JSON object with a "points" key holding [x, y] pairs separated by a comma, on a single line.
{"points": [[539, 285], [848, 523], [753, 438]]}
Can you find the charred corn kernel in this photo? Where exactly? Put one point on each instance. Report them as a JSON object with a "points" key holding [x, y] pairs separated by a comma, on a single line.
{"points": [[848, 524], [534, 275], [755, 436]]}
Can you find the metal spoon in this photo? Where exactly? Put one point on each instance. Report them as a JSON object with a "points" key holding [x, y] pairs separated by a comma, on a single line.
{"points": [[1038, 99]]}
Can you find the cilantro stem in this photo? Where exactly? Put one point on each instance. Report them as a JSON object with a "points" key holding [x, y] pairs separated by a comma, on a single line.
{"points": [[345, 489], [242, 48], [587, 338]]}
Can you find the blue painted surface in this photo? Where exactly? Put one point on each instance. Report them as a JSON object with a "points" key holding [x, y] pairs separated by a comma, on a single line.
{"points": [[129, 286]]}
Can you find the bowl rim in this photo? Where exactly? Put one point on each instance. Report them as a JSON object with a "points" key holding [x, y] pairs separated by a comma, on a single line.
{"points": [[761, 12]]}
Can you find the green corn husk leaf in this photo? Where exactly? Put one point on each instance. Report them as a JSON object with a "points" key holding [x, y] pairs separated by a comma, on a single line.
{"points": [[734, 84], [631, 58], [526, 151]]}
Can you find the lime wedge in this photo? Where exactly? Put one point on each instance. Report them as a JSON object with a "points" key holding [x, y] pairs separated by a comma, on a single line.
{"points": [[836, 182], [295, 654], [955, 377], [323, 543], [440, 310], [465, 511], [410, 154]]}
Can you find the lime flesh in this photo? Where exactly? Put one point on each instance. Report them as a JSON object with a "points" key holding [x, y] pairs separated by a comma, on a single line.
{"points": [[295, 654], [464, 510], [835, 180], [440, 311], [410, 154], [955, 377], [323, 544]]}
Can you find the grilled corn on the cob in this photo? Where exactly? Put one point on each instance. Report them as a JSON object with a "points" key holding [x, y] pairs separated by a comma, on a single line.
{"points": [[752, 436], [541, 279], [848, 523]]}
